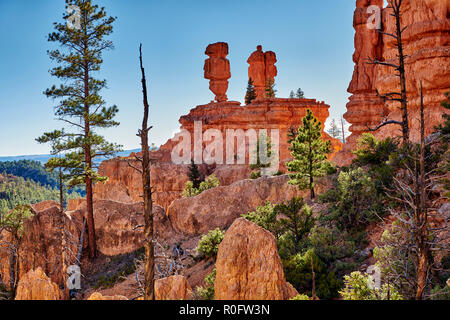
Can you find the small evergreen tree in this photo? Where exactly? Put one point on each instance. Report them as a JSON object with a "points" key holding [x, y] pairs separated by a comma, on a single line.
{"points": [[300, 94], [292, 95], [334, 130], [270, 89], [251, 94], [297, 220], [194, 175], [310, 154]]}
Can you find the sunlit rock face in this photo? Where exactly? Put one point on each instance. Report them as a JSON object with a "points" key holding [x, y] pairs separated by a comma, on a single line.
{"points": [[249, 267], [35, 285], [426, 44]]}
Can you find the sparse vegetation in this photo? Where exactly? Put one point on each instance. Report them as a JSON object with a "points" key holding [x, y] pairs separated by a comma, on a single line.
{"points": [[210, 183], [209, 244], [207, 292]]}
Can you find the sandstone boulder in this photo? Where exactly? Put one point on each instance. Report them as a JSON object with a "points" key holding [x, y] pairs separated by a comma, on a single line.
{"points": [[173, 288], [219, 207], [98, 296], [35, 285], [249, 267]]}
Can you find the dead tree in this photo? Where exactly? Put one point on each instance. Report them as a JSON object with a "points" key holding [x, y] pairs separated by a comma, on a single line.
{"points": [[401, 96], [415, 199], [149, 265]]}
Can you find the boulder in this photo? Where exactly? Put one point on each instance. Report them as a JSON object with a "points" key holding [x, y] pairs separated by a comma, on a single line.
{"points": [[35, 285], [173, 288], [219, 207], [249, 267]]}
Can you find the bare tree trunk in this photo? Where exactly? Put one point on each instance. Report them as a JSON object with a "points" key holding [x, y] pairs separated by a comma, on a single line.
{"points": [[149, 292], [88, 163]]}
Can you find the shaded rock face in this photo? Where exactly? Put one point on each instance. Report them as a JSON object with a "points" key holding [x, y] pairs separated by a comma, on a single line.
{"points": [[219, 207], [41, 245], [98, 297], [426, 42], [173, 288], [35, 285], [117, 225], [217, 69], [249, 267]]}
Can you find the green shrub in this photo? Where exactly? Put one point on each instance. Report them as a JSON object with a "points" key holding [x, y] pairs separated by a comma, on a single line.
{"points": [[357, 288], [207, 292], [209, 244], [210, 183], [255, 175]]}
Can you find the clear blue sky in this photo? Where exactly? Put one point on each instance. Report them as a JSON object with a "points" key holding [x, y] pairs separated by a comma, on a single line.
{"points": [[313, 41]]}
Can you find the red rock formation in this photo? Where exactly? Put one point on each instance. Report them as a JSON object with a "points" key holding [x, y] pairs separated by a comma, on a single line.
{"points": [[173, 288], [96, 296], [35, 285], [262, 68], [426, 43], [248, 266], [217, 69], [219, 207], [41, 244]]}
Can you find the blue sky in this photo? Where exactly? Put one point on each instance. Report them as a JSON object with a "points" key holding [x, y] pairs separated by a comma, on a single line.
{"points": [[313, 41]]}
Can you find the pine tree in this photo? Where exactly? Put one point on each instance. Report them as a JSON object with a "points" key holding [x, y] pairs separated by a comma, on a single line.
{"points": [[270, 89], [310, 154], [251, 94], [334, 130], [194, 175], [80, 104], [445, 128], [300, 94]]}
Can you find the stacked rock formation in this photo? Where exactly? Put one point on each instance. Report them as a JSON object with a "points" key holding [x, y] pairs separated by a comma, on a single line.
{"points": [[426, 44], [262, 69], [217, 69]]}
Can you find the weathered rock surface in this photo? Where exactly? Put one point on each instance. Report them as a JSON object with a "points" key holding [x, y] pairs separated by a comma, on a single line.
{"points": [[426, 42], [35, 285], [173, 288], [117, 225], [98, 296], [219, 207], [249, 267], [217, 69], [42, 244], [262, 69]]}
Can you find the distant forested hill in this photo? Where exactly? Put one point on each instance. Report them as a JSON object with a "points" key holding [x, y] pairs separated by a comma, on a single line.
{"points": [[29, 169], [43, 158], [16, 190]]}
